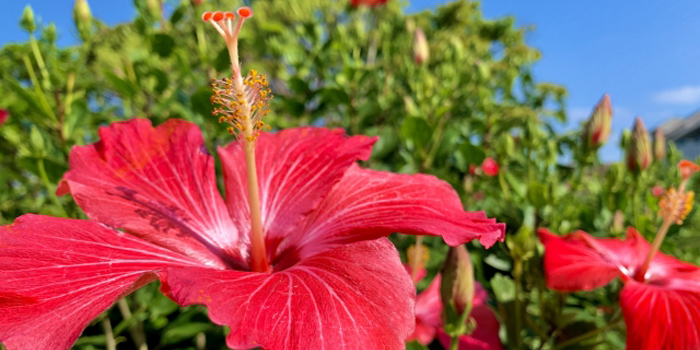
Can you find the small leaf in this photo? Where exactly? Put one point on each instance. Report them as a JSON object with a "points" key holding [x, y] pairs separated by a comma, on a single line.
{"points": [[416, 131], [163, 44]]}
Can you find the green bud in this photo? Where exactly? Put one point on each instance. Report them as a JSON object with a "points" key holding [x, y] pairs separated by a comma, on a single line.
{"points": [[639, 148], [597, 130], [659, 144], [421, 49], [154, 8], [27, 21], [82, 18], [457, 287], [50, 33]]}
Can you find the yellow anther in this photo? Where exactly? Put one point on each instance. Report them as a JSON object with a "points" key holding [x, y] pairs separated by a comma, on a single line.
{"points": [[675, 206], [411, 254]]}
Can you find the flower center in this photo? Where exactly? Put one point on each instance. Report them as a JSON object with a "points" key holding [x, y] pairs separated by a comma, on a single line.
{"points": [[242, 104]]}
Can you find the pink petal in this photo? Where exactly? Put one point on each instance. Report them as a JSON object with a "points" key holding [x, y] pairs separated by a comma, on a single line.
{"points": [[664, 312], [419, 276], [158, 183], [428, 313], [581, 262], [296, 168], [357, 296], [59, 274], [485, 336], [368, 204]]}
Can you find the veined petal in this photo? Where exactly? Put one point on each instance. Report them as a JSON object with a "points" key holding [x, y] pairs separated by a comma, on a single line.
{"points": [[296, 169], [581, 262], [428, 313], [59, 274], [357, 296], [368, 204], [664, 312], [158, 183]]}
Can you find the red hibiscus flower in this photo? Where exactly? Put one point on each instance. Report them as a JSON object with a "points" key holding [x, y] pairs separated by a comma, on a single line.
{"points": [[661, 308], [429, 321], [3, 116], [490, 167], [368, 3], [335, 281]]}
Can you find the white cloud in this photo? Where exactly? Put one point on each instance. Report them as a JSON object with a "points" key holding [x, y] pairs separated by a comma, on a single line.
{"points": [[684, 95]]}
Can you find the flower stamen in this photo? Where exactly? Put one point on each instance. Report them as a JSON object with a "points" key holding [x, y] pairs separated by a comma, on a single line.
{"points": [[242, 103]]}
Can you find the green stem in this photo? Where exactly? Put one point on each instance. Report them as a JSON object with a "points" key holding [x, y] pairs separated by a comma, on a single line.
{"points": [[109, 334], [455, 343], [49, 186], [612, 324], [37, 89], [517, 272], [40, 61], [136, 330]]}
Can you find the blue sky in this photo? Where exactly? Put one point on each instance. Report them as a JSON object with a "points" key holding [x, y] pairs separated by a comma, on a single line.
{"points": [[645, 54]]}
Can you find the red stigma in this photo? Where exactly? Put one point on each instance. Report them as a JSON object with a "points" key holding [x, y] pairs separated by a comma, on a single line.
{"points": [[229, 15], [206, 16], [218, 15], [245, 12]]}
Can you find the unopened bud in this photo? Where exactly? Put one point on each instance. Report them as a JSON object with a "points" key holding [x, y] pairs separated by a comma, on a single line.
{"points": [[3, 116], [597, 130], [639, 148], [490, 167], [457, 287], [154, 8], [50, 33], [197, 2], [82, 18], [27, 21], [659, 144], [421, 49], [619, 221]]}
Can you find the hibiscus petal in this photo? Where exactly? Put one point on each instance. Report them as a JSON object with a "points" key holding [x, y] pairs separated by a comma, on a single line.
{"points": [[296, 168], [354, 297], [664, 313], [581, 262], [158, 183], [368, 204], [59, 274], [428, 313]]}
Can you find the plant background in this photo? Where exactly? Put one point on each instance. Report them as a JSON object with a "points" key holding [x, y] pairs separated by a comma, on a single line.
{"points": [[334, 65]]}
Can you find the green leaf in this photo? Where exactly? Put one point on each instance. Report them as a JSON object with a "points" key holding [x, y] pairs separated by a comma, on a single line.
{"points": [[201, 101], [538, 194], [124, 87], [417, 132], [163, 44], [468, 154]]}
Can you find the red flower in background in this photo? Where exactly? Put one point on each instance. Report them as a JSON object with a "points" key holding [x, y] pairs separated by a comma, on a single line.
{"points": [[657, 191], [336, 281], [429, 321], [490, 167], [368, 3], [4, 115], [661, 308]]}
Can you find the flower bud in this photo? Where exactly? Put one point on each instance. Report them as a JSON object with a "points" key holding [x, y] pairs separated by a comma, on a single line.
{"points": [[368, 3], [82, 18], [657, 191], [619, 221], [457, 286], [421, 49], [4, 114], [27, 21], [490, 167], [154, 8], [639, 148], [197, 2], [597, 130], [659, 144], [50, 33]]}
